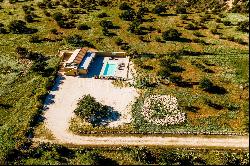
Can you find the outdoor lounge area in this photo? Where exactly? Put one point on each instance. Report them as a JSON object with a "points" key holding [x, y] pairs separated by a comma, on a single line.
{"points": [[91, 63]]}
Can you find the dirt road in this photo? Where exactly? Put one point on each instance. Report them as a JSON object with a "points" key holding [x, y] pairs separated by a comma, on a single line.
{"points": [[62, 101]]}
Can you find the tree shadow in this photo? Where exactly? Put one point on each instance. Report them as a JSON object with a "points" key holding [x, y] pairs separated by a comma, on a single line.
{"points": [[149, 19], [110, 34], [5, 106], [57, 83], [30, 31], [184, 40], [217, 90], [193, 109], [185, 84], [214, 105], [177, 69], [208, 71], [115, 27], [166, 14], [49, 100], [110, 116]]}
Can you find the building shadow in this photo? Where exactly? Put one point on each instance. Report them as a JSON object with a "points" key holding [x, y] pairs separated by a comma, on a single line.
{"points": [[94, 68], [110, 116], [57, 83]]}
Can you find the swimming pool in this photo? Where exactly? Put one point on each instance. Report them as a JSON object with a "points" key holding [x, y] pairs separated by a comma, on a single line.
{"points": [[109, 69]]}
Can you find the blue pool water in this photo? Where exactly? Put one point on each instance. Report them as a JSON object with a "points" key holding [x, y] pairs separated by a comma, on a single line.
{"points": [[109, 70]]}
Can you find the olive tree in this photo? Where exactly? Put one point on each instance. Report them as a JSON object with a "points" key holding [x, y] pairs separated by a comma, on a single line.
{"points": [[91, 110], [171, 35]]}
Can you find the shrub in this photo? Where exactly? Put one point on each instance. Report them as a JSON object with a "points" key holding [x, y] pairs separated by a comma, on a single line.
{"points": [[83, 27], [184, 17], [164, 73], [181, 10], [91, 110], [102, 15], [197, 40], [243, 26], [35, 39], [3, 30], [134, 27], [142, 10], [197, 33], [214, 31], [175, 78], [206, 84], [128, 15], [106, 24], [75, 40], [125, 47], [218, 20], [22, 51], [104, 3], [65, 5], [19, 27], [29, 18], [54, 31], [221, 15], [167, 62], [58, 16], [171, 34], [158, 39], [41, 5], [159, 9], [227, 23], [124, 6], [46, 13], [105, 31], [191, 26], [119, 41]]}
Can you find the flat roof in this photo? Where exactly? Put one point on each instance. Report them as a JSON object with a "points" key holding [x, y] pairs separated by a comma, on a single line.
{"points": [[87, 60], [73, 56]]}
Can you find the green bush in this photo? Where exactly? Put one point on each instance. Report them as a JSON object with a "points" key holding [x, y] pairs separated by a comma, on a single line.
{"points": [[29, 18], [102, 15], [128, 15], [106, 24], [22, 51], [206, 84], [3, 30], [227, 23], [19, 27], [83, 27], [159, 9], [54, 31], [197, 33], [167, 62], [124, 6], [243, 26], [214, 31], [218, 20], [191, 26], [175, 78], [184, 16], [119, 41], [75, 40], [35, 39], [181, 9], [91, 110], [164, 73], [171, 35]]}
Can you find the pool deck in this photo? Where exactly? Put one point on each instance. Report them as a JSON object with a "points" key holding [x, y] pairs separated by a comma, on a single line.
{"points": [[118, 73]]}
